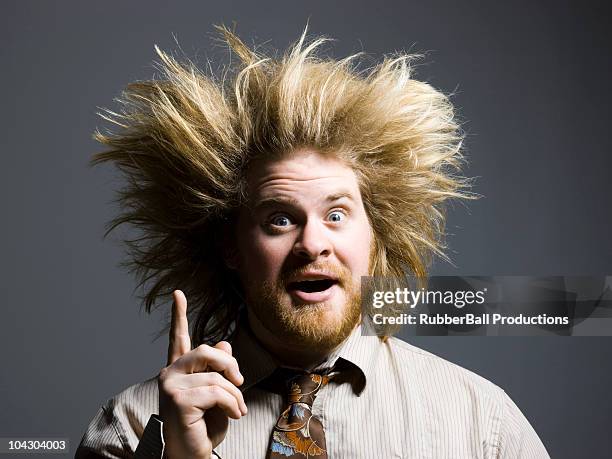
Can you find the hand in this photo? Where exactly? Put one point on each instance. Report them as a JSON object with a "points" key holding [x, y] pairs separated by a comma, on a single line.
{"points": [[197, 391]]}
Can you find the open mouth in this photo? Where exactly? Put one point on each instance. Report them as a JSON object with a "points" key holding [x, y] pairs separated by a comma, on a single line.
{"points": [[312, 286]]}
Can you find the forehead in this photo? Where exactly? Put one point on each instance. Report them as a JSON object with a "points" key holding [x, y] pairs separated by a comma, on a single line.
{"points": [[303, 173]]}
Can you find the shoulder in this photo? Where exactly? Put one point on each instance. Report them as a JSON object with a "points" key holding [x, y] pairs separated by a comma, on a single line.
{"points": [[458, 398], [136, 399], [116, 428], [436, 372]]}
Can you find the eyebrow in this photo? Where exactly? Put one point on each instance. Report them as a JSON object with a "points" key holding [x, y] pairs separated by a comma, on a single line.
{"points": [[269, 202], [279, 200], [337, 196]]}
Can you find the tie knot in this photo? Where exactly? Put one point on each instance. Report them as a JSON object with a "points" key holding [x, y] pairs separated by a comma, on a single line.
{"points": [[303, 388]]}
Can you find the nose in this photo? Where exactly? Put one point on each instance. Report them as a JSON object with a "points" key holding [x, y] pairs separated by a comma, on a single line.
{"points": [[313, 242]]}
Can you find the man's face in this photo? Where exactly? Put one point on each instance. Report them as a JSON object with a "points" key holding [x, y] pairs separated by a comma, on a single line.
{"points": [[304, 241]]}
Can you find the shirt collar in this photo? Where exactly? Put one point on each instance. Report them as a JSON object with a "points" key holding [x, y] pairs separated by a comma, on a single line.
{"points": [[359, 350]]}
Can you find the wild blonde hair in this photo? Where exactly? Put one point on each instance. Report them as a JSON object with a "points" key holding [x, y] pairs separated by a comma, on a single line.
{"points": [[186, 140]]}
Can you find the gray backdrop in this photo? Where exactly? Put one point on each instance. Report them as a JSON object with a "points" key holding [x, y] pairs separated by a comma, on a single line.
{"points": [[531, 82]]}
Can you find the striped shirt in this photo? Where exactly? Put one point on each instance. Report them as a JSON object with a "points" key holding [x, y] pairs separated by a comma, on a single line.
{"points": [[393, 401]]}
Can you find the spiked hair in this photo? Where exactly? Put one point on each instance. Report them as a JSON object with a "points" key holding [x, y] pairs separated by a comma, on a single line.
{"points": [[185, 140]]}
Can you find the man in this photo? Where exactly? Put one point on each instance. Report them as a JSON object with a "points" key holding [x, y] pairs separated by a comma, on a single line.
{"points": [[266, 200]]}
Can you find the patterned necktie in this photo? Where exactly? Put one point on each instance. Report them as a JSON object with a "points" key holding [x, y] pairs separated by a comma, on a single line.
{"points": [[297, 433]]}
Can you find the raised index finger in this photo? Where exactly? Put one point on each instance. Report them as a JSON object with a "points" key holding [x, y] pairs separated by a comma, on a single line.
{"points": [[179, 342]]}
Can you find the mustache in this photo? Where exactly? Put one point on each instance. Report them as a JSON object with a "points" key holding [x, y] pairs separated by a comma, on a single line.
{"points": [[340, 272]]}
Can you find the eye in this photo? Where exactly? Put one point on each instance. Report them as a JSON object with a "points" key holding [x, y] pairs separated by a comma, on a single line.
{"points": [[280, 220], [336, 216]]}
